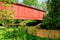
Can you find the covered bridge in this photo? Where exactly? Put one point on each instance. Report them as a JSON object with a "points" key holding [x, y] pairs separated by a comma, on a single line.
{"points": [[24, 11]]}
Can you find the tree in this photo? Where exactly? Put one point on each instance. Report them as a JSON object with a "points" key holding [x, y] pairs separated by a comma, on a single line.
{"points": [[43, 6], [9, 1], [7, 17], [31, 2], [52, 20]]}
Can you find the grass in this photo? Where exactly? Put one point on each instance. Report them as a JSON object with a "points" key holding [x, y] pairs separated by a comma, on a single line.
{"points": [[20, 33]]}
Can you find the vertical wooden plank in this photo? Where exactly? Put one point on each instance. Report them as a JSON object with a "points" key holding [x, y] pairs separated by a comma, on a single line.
{"points": [[41, 15], [16, 14], [20, 12]]}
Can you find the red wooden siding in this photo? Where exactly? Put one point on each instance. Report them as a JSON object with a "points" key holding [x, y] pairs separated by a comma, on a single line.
{"points": [[25, 12]]}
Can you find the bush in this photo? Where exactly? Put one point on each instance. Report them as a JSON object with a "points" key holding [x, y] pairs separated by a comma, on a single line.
{"points": [[20, 33]]}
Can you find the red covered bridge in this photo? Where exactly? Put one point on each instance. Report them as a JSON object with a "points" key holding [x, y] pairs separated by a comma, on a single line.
{"points": [[24, 12]]}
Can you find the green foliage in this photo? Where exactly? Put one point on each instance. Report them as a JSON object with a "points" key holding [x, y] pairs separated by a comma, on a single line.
{"points": [[9, 1], [20, 33], [6, 16], [17, 21], [52, 20], [43, 6], [31, 2], [31, 23], [25, 22]]}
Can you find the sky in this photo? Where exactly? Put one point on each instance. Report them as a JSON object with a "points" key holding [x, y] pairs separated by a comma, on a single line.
{"points": [[38, 1]]}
